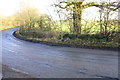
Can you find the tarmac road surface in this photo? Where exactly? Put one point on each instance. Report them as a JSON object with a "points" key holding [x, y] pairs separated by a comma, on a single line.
{"points": [[43, 61]]}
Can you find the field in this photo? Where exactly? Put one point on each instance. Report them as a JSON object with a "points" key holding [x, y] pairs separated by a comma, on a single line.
{"points": [[88, 26]]}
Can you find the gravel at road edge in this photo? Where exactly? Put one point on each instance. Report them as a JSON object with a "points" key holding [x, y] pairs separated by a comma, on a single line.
{"points": [[7, 72]]}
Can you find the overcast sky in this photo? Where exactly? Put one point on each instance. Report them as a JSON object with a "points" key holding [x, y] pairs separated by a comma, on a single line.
{"points": [[10, 7]]}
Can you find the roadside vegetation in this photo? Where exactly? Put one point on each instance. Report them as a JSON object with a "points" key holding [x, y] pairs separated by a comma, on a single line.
{"points": [[94, 38], [7, 22], [104, 32], [7, 27]]}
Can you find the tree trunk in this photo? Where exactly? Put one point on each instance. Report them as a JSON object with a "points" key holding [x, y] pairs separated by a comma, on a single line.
{"points": [[77, 14], [101, 22]]}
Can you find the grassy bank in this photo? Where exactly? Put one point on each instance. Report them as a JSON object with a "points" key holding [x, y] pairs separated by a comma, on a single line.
{"points": [[7, 27], [62, 33], [34, 37]]}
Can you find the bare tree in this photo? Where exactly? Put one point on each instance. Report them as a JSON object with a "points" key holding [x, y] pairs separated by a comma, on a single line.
{"points": [[78, 8], [27, 16]]}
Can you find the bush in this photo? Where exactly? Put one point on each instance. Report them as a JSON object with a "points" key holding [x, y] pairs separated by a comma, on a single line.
{"points": [[115, 37], [51, 34], [32, 34], [39, 33], [83, 36], [93, 37], [69, 36], [98, 36]]}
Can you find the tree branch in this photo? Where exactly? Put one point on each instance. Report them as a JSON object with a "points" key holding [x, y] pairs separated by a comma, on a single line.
{"points": [[67, 4], [110, 6], [103, 5]]}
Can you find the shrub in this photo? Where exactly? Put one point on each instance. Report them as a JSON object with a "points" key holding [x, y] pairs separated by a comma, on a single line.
{"points": [[32, 34], [98, 36], [83, 36], [69, 36]]}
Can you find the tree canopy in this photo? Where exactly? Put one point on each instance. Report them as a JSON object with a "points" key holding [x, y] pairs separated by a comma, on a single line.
{"points": [[78, 7]]}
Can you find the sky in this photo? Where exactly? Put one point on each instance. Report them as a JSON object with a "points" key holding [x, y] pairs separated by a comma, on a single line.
{"points": [[10, 7]]}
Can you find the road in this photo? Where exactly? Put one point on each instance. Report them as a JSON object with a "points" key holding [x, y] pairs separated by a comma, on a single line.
{"points": [[43, 61]]}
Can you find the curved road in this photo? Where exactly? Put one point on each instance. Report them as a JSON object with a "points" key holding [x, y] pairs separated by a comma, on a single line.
{"points": [[43, 61]]}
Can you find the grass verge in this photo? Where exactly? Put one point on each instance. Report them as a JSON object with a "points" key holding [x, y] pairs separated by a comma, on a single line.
{"points": [[8, 27], [70, 43]]}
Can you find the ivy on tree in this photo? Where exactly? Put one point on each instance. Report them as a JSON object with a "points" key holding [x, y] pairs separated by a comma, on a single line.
{"points": [[78, 7]]}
